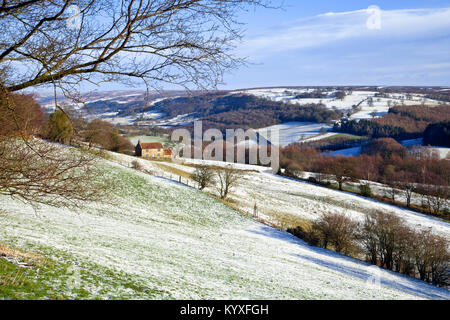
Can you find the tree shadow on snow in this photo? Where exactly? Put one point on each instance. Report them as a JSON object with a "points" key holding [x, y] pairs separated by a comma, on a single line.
{"points": [[362, 270]]}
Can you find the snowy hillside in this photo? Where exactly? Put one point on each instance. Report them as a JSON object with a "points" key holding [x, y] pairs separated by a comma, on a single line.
{"points": [[278, 196], [379, 105], [118, 107], [291, 132], [166, 109], [160, 239]]}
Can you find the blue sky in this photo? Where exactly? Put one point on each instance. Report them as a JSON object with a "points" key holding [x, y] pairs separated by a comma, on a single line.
{"points": [[332, 43], [341, 42]]}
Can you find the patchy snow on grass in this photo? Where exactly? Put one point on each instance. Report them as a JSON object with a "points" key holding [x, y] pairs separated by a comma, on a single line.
{"points": [[378, 107], [276, 195], [321, 137], [134, 140], [175, 242], [180, 120]]}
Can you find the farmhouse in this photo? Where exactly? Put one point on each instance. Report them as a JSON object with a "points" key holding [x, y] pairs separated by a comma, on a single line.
{"points": [[152, 150]]}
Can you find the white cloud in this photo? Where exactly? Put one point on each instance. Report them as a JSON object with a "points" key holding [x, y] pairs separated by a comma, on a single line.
{"points": [[329, 28]]}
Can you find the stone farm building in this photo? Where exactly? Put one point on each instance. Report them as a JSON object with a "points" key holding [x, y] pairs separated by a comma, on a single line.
{"points": [[152, 150]]}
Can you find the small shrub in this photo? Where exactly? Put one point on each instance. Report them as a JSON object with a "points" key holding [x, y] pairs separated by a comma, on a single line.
{"points": [[204, 176], [312, 180], [337, 230], [59, 127], [365, 190], [136, 165]]}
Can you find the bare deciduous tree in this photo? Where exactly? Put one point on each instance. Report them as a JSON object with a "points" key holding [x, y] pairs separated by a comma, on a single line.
{"points": [[136, 165], [337, 230], [432, 257], [381, 235], [39, 172], [174, 41], [204, 176], [227, 178], [342, 170], [407, 184]]}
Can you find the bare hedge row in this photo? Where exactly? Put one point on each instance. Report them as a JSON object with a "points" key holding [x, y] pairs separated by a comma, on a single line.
{"points": [[385, 240]]}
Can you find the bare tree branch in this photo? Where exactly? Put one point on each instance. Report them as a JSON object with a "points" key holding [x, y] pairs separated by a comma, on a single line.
{"points": [[184, 42]]}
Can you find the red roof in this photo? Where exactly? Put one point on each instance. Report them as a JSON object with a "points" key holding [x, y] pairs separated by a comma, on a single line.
{"points": [[151, 145]]}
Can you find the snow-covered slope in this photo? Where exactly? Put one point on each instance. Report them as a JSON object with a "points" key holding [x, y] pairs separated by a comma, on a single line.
{"points": [[379, 105], [172, 241], [276, 196], [291, 132]]}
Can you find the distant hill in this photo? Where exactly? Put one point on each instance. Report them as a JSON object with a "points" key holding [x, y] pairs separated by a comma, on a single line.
{"points": [[247, 108]]}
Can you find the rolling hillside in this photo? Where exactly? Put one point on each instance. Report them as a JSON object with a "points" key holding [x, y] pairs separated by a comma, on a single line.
{"points": [[163, 240]]}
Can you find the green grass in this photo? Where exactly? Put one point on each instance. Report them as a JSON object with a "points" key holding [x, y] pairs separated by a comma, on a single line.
{"points": [[134, 139], [39, 279], [346, 137], [61, 278]]}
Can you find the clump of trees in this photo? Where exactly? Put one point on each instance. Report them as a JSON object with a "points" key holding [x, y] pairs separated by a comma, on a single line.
{"points": [[372, 129], [402, 122], [385, 147], [388, 242], [335, 230], [408, 174], [334, 143], [315, 94], [65, 128], [340, 94], [104, 134], [437, 134], [20, 114], [385, 240]]}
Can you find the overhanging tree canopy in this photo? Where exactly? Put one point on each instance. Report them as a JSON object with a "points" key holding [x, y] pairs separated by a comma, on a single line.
{"points": [[65, 42]]}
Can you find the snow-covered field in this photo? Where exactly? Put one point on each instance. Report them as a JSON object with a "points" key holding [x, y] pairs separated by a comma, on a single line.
{"points": [[238, 166], [369, 105], [276, 195], [291, 132], [380, 105], [173, 241]]}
